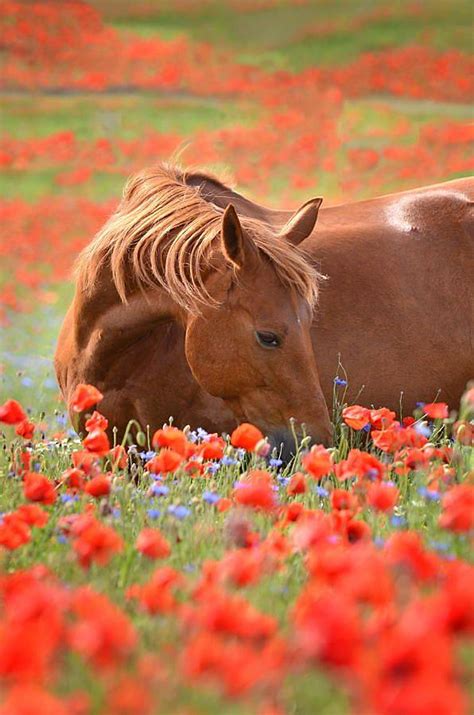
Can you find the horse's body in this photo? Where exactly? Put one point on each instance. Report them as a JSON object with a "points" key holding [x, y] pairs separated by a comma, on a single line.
{"points": [[396, 311]]}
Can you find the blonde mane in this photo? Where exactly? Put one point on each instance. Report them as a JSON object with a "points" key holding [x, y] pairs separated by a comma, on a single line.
{"points": [[162, 235]]}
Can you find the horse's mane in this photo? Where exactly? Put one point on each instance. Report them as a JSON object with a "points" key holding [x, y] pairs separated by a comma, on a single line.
{"points": [[163, 233]]}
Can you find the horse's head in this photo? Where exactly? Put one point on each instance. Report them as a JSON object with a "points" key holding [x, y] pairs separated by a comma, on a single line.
{"points": [[252, 347]]}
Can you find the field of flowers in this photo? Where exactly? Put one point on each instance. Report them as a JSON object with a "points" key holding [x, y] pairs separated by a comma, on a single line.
{"points": [[190, 573]]}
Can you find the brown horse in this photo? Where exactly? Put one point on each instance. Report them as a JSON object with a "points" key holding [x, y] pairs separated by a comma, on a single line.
{"points": [[196, 303]]}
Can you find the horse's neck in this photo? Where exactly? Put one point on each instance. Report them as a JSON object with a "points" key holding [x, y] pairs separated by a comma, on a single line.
{"points": [[101, 314], [220, 195]]}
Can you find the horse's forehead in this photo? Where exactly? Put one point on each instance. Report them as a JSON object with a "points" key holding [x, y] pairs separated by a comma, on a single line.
{"points": [[273, 298]]}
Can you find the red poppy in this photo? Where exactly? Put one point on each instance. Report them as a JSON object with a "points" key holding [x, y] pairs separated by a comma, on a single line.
{"points": [[382, 496], [167, 461], [213, 448], [37, 487], [343, 500], [97, 442], [318, 462], [14, 531], [152, 543], [96, 422], [157, 595], [94, 541], [118, 456], [436, 410], [246, 436], [223, 504], [381, 418], [25, 429], [356, 416], [458, 509], [297, 484], [73, 478], [11, 413], [102, 633], [98, 486], [255, 490], [84, 396], [32, 514], [173, 438]]}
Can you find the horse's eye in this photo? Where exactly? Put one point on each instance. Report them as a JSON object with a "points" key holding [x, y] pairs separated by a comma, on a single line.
{"points": [[268, 340]]}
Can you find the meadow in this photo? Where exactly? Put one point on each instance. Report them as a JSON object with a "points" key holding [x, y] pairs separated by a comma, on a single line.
{"points": [[191, 573]]}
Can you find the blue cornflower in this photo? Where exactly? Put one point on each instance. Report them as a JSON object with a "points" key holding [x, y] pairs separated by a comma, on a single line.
{"points": [[61, 419], [210, 497], [340, 381], [116, 513], [180, 511], [321, 491], [146, 456], [429, 494], [439, 546], [367, 427], [69, 498], [27, 382], [160, 489], [213, 468], [398, 520], [61, 539], [423, 429], [274, 462], [50, 384], [378, 541], [189, 567], [153, 513], [202, 434], [227, 461]]}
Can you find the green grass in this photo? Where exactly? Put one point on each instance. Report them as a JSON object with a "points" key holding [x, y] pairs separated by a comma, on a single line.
{"points": [[278, 36], [126, 116]]}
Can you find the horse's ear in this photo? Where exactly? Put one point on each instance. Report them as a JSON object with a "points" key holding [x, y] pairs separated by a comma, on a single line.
{"points": [[233, 239], [302, 223]]}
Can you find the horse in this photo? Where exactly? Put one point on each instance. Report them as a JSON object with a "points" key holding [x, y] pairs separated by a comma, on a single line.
{"points": [[195, 303]]}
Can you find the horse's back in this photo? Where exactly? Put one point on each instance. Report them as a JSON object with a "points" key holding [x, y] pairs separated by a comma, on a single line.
{"points": [[429, 208]]}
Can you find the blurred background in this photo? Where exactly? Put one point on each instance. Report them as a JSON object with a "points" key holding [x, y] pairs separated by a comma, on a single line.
{"points": [[285, 99]]}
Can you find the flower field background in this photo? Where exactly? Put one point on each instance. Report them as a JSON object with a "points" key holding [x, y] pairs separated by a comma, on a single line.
{"points": [[192, 574]]}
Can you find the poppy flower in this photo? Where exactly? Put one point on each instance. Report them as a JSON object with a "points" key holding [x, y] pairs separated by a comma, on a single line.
{"points": [[318, 462], [246, 436], [297, 484], [343, 500], [84, 396], [73, 478], [381, 418], [14, 531], [152, 543], [223, 504], [255, 491], [97, 442], [94, 541], [32, 514], [173, 438], [38, 488], [436, 410], [11, 413], [25, 429], [98, 486], [118, 456], [166, 462], [356, 417], [213, 448], [96, 422], [382, 496], [458, 509]]}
